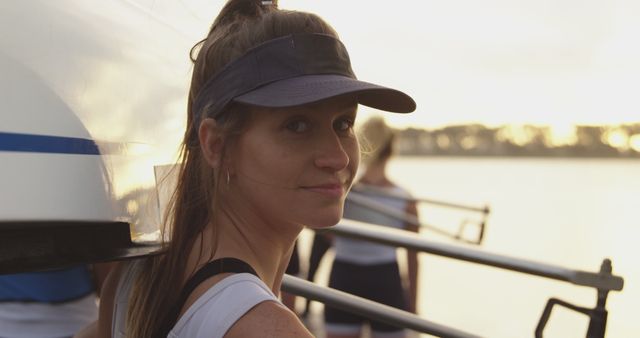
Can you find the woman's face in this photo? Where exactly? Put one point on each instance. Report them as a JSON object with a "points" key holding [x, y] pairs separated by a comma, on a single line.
{"points": [[295, 165]]}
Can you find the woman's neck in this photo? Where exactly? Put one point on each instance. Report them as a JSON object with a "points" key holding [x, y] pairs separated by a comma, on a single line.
{"points": [[261, 246]]}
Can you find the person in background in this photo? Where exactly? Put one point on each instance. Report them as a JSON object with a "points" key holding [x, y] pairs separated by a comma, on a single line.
{"points": [[367, 269], [50, 304], [269, 148]]}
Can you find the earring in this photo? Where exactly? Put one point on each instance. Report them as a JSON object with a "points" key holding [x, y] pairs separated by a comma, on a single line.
{"points": [[228, 177]]}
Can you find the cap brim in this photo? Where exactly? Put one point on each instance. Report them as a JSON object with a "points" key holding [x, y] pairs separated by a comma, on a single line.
{"points": [[314, 88]]}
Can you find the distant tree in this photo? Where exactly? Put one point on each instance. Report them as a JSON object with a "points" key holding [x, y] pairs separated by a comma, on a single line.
{"points": [[522, 140]]}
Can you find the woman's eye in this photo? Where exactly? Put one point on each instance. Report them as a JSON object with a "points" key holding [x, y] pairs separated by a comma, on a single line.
{"points": [[298, 126], [343, 125]]}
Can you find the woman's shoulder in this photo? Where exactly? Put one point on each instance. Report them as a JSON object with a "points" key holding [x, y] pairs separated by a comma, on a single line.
{"points": [[268, 319], [234, 305]]}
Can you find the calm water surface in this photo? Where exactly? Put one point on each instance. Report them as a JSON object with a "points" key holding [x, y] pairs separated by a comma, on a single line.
{"points": [[571, 213]]}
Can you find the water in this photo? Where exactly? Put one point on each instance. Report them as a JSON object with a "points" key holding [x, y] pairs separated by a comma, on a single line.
{"points": [[572, 213]]}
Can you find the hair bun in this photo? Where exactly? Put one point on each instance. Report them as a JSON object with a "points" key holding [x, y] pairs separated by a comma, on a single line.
{"points": [[375, 135], [240, 9]]}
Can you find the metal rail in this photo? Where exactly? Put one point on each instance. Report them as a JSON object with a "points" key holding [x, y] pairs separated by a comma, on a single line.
{"points": [[603, 282], [368, 308], [393, 212], [401, 238], [378, 206], [392, 194]]}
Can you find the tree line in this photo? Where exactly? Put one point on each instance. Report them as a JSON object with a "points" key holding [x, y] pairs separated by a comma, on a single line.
{"points": [[605, 141]]}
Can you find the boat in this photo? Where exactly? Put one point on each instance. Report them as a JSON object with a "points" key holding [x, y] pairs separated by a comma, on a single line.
{"points": [[89, 97]]}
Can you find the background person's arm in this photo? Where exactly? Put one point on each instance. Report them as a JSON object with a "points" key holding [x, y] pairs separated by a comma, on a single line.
{"points": [[107, 301], [412, 263]]}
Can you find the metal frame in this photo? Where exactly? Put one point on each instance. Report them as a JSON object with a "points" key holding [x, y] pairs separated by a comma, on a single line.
{"points": [[407, 239], [388, 193], [373, 204], [368, 308], [603, 281]]}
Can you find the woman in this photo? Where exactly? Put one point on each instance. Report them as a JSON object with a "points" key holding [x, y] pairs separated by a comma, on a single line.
{"points": [[269, 148], [367, 269]]}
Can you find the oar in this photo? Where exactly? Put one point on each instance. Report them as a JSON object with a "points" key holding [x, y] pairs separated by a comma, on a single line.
{"points": [[370, 203], [397, 195]]}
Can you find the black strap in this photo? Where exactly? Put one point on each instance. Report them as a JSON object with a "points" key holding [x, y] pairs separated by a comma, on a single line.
{"points": [[221, 265]]}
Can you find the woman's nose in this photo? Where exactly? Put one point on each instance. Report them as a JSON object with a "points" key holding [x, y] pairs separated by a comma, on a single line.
{"points": [[331, 154]]}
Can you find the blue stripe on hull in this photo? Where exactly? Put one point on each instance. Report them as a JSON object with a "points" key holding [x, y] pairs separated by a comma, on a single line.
{"points": [[33, 143]]}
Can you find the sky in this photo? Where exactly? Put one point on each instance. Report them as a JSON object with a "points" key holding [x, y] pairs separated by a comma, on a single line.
{"points": [[546, 62]]}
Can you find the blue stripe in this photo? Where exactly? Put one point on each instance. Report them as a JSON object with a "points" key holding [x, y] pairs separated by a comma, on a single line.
{"points": [[33, 143], [52, 286]]}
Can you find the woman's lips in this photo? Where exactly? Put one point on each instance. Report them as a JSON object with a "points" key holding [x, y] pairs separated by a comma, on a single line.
{"points": [[333, 190]]}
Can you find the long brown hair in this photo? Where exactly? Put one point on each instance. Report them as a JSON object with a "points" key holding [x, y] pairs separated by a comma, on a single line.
{"points": [[241, 25]]}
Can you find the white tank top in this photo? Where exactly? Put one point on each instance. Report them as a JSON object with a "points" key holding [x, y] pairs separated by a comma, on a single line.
{"points": [[211, 315], [40, 320], [366, 252]]}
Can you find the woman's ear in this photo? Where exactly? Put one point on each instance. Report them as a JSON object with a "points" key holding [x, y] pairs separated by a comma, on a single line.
{"points": [[211, 142]]}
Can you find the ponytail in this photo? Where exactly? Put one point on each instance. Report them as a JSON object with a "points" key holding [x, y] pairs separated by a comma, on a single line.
{"points": [[236, 10]]}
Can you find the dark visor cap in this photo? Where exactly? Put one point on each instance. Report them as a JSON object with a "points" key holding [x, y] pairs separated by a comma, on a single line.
{"points": [[291, 71]]}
